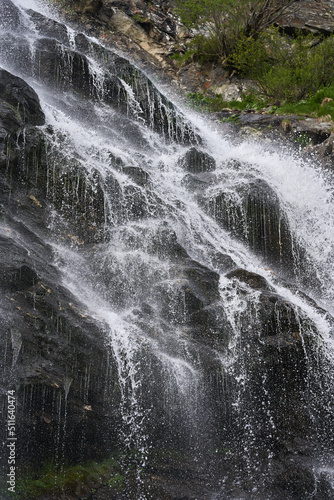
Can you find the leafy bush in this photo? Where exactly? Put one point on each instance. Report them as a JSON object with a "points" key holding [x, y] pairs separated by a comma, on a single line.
{"points": [[286, 69], [222, 22]]}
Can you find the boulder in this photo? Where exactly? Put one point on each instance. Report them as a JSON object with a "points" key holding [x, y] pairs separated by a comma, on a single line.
{"points": [[49, 27], [197, 161], [254, 280], [17, 95], [138, 175], [198, 182], [308, 16], [315, 130], [252, 212], [10, 16]]}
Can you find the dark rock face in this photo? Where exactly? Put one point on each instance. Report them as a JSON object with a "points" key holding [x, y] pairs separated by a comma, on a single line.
{"points": [[253, 280], [138, 175], [10, 17], [196, 161], [253, 214], [49, 27], [23, 101], [46, 329]]}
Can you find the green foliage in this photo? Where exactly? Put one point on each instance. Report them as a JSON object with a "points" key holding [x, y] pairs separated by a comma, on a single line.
{"points": [[222, 22], [116, 481], [313, 105], [321, 104], [303, 140], [180, 59], [286, 69], [200, 12], [208, 103], [231, 119]]}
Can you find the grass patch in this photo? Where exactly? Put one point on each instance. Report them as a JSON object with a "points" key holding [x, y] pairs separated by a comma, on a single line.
{"points": [[320, 105]]}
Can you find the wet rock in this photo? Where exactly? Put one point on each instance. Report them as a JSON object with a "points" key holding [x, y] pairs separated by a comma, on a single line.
{"points": [[298, 481], [198, 182], [10, 17], [252, 279], [222, 262], [206, 280], [13, 278], [51, 66], [261, 121], [193, 288], [166, 245], [325, 150], [49, 27], [46, 333], [252, 212], [279, 320], [197, 161], [317, 132], [23, 100], [138, 175], [15, 52]]}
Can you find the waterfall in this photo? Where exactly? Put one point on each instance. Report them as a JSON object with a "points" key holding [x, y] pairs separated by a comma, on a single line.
{"points": [[166, 293]]}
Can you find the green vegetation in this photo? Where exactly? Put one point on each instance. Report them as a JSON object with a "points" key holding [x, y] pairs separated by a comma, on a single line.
{"points": [[320, 105], [222, 22], [180, 58], [209, 103], [286, 69], [75, 480]]}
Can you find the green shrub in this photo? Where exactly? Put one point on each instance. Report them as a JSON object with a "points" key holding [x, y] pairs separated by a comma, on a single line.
{"points": [[286, 69], [222, 22]]}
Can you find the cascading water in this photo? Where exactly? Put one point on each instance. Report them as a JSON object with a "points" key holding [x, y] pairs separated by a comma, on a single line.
{"points": [[193, 265]]}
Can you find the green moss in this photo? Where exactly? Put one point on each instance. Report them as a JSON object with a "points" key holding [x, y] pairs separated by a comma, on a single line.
{"points": [[303, 140], [79, 479], [231, 119], [141, 19]]}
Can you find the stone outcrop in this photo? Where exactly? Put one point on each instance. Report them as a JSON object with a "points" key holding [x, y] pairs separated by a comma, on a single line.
{"points": [[148, 31], [252, 213], [309, 16]]}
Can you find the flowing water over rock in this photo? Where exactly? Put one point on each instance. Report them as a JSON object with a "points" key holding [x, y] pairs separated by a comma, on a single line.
{"points": [[166, 297]]}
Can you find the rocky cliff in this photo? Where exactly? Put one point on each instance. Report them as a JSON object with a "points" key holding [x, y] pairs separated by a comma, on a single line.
{"points": [[150, 33]]}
